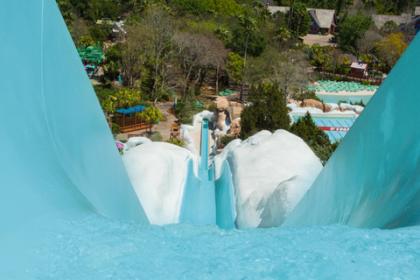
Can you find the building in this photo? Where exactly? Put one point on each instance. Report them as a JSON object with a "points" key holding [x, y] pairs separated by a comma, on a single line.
{"points": [[417, 11], [128, 119], [359, 70], [322, 20]]}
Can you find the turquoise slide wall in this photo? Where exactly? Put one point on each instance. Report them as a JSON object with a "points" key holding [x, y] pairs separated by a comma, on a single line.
{"points": [[58, 156]]}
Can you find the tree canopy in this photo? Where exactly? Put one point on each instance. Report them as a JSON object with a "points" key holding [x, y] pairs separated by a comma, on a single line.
{"points": [[352, 29], [267, 110]]}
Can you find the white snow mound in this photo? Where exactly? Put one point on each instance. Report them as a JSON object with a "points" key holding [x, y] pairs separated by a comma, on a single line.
{"points": [[157, 172], [271, 173]]}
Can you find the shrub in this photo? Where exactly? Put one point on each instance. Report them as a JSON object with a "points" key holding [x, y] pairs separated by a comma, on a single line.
{"points": [[177, 142], [226, 139], [319, 142], [267, 110], [155, 136]]}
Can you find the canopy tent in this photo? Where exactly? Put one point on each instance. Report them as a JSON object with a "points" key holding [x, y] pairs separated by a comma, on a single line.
{"points": [[91, 54], [131, 110]]}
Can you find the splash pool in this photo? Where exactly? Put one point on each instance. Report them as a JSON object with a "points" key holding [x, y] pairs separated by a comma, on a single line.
{"points": [[96, 248]]}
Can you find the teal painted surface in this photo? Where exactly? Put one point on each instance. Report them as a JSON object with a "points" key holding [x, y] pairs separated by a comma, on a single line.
{"points": [[58, 158], [225, 198], [373, 179], [352, 99], [199, 204], [207, 200]]}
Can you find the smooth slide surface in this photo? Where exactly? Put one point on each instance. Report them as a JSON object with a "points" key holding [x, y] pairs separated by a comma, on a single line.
{"points": [[58, 159]]}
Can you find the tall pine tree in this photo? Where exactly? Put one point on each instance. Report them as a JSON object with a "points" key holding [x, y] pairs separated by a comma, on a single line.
{"points": [[267, 110]]}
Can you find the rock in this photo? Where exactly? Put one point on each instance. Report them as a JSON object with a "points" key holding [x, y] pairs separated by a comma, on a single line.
{"points": [[222, 103]]}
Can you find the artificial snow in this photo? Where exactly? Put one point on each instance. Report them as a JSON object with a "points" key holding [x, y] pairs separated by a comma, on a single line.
{"points": [[157, 172], [271, 173]]}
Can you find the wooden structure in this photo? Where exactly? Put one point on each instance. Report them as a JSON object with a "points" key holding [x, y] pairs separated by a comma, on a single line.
{"points": [[128, 119], [359, 70]]}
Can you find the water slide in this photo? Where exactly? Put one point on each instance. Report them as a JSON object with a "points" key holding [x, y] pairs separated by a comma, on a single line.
{"points": [[207, 200], [372, 180], [198, 203], [58, 160], [59, 163]]}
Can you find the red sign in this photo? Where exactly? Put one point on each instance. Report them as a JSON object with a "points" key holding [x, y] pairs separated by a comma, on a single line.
{"points": [[332, 128]]}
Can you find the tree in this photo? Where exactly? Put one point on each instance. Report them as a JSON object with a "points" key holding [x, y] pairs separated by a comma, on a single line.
{"points": [[389, 27], [112, 65], [247, 38], [66, 10], [352, 29], [320, 56], [306, 129], [157, 46], [390, 48], [235, 67], [133, 59], [367, 43], [298, 19], [287, 70], [197, 53], [200, 7], [267, 110], [151, 115]]}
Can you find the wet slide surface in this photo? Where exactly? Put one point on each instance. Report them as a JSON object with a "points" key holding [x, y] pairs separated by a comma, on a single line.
{"points": [[58, 158], [59, 169]]}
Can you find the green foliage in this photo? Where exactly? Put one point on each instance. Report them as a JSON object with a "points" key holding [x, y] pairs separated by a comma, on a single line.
{"points": [[319, 56], [177, 142], [101, 32], [151, 115], [306, 95], [352, 29], [299, 19], [306, 129], [247, 38], [85, 41], [156, 137], [390, 6], [267, 110], [112, 65], [200, 7], [121, 99], [389, 27], [185, 110], [235, 66], [390, 48], [226, 139], [115, 128]]}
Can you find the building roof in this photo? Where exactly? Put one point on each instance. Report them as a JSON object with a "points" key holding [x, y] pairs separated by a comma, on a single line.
{"points": [[380, 20], [323, 17], [357, 65]]}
